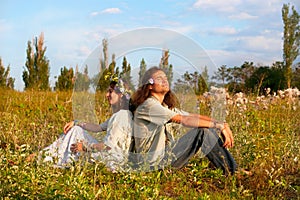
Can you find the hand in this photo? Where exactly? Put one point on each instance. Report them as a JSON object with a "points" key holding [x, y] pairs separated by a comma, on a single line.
{"points": [[101, 146], [77, 147], [227, 134], [68, 126]]}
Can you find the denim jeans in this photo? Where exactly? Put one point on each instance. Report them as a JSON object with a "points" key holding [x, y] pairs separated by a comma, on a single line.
{"points": [[211, 146]]}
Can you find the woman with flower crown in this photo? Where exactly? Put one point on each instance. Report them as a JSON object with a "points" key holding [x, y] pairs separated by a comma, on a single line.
{"points": [[76, 141]]}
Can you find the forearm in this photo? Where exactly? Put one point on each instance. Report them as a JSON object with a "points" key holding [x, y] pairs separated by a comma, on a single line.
{"points": [[195, 120], [210, 122], [89, 126], [207, 122]]}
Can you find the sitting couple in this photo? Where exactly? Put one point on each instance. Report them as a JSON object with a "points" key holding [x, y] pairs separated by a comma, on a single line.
{"points": [[145, 134]]}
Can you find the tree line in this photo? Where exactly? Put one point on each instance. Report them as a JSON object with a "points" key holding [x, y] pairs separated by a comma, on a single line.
{"points": [[251, 78], [247, 78]]}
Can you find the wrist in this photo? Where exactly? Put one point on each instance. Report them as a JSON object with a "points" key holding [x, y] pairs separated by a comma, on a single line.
{"points": [[220, 126], [76, 122], [79, 123]]}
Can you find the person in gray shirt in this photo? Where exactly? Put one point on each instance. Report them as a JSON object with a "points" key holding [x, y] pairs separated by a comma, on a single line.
{"points": [[155, 113]]}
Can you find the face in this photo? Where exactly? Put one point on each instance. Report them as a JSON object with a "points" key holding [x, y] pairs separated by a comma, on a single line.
{"points": [[113, 97], [161, 83]]}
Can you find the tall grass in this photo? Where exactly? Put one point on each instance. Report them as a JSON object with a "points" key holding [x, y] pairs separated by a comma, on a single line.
{"points": [[266, 143]]}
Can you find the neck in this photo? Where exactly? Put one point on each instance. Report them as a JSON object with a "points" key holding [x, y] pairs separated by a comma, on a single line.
{"points": [[160, 97], [115, 108]]}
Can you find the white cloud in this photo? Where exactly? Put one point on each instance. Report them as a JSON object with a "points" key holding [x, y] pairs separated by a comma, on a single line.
{"points": [[101, 32], [237, 57], [217, 5], [94, 13], [83, 51], [111, 11], [259, 43], [242, 16], [107, 11], [225, 31], [180, 28]]}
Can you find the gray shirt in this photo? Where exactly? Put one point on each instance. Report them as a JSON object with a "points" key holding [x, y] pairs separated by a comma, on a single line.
{"points": [[150, 129]]}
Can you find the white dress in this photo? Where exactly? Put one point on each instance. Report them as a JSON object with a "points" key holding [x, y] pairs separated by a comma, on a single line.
{"points": [[118, 138]]}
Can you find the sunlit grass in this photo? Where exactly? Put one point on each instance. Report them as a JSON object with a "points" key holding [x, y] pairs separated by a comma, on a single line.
{"points": [[267, 142]]}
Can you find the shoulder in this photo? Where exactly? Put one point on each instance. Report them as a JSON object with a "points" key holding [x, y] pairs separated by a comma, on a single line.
{"points": [[150, 101], [147, 104], [122, 114]]}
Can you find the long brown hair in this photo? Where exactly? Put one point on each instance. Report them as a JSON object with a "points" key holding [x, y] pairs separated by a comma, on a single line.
{"points": [[143, 92]]}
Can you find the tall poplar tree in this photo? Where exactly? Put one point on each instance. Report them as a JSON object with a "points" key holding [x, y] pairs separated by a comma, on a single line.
{"points": [[142, 71], [125, 74], [102, 80], [36, 72], [164, 64], [291, 40]]}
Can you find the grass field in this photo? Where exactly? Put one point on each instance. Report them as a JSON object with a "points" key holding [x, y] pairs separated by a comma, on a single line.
{"points": [[267, 143]]}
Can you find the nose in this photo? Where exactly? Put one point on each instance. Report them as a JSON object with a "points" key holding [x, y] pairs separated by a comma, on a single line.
{"points": [[164, 81]]}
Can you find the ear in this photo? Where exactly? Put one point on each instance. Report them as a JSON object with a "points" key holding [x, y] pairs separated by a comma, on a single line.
{"points": [[150, 87]]}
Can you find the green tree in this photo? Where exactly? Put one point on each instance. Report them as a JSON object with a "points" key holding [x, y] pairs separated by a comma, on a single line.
{"points": [[5, 81], [107, 72], [65, 80], [194, 81], [247, 70], [126, 72], [235, 79], [276, 80], [296, 76], [82, 80], [164, 64], [110, 73], [36, 74], [205, 75], [203, 81], [221, 74], [238, 76], [257, 81], [142, 71], [291, 40], [104, 61], [202, 85], [185, 84], [265, 77]]}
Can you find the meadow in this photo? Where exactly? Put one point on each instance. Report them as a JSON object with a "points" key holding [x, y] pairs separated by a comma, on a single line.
{"points": [[267, 143]]}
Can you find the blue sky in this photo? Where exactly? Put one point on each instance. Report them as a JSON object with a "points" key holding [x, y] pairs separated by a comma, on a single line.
{"points": [[230, 32]]}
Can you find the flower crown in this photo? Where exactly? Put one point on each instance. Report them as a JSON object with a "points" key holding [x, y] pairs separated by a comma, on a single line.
{"points": [[120, 87]]}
